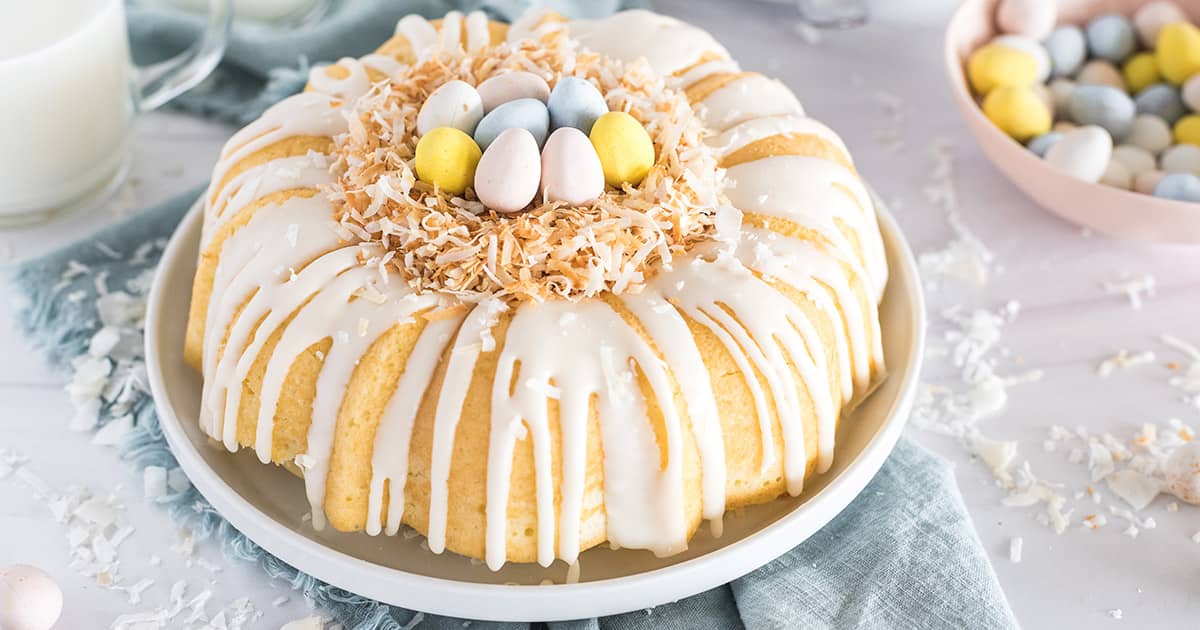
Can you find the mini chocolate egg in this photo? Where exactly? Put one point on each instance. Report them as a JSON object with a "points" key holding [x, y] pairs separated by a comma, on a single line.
{"points": [[511, 86], [995, 65], [527, 113], [1187, 130], [1178, 51], [1100, 72], [571, 170], [1178, 186], [508, 174], [1067, 48], [625, 150], [1181, 158], [447, 157], [1190, 93], [1135, 159], [1146, 182], [575, 102], [1162, 100], [1031, 18], [454, 104], [1111, 37], [1117, 176], [1102, 105], [1149, 132], [1182, 471], [1141, 71], [1041, 144], [1083, 153], [1151, 17], [1018, 112], [1030, 47], [1060, 92], [29, 598]]}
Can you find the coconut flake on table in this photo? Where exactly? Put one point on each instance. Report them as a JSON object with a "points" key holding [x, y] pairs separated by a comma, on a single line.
{"points": [[1134, 289], [314, 622], [1188, 382], [1122, 360]]}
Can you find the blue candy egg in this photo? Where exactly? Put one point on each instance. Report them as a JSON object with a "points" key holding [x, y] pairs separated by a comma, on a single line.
{"points": [[1179, 186], [1041, 144], [525, 113], [1067, 49], [1111, 37], [1104, 106], [575, 102], [1161, 100]]}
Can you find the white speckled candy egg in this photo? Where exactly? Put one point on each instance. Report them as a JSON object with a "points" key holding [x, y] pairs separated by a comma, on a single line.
{"points": [[1083, 153], [1146, 182], [1102, 105], [1181, 158], [1149, 132], [1179, 186], [1135, 159], [1111, 37], [527, 113], [1030, 47], [1190, 93], [1117, 176], [1161, 100], [454, 104], [575, 102], [1067, 49], [1183, 472], [1031, 18], [1041, 144], [511, 86], [1100, 72], [29, 598], [1151, 17], [571, 169], [508, 174], [1060, 92]]}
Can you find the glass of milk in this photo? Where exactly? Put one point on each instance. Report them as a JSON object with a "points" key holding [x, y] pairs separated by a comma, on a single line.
{"points": [[68, 96]]}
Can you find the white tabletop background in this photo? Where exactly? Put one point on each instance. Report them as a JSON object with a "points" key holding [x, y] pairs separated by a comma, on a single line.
{"points": [[883, 89]]}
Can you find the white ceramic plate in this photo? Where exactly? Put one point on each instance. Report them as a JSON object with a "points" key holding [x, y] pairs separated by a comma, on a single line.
{"points": [[268, 504]]}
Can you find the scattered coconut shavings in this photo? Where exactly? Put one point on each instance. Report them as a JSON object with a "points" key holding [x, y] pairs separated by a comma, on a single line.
{"points": [[1016, 545], [1188, 380], [1122, 360], [1116, 613], [1196, 537], [964, 258], [1137, 489], [1134, 289], [308, 623]]}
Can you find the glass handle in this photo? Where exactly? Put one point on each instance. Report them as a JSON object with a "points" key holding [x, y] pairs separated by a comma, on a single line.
{"points": [[165, 80]]}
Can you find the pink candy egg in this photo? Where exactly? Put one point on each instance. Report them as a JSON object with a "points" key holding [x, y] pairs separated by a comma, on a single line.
{"points": [[511, 86], [571, 170], [1150, 18], [507, 177], [29, 598], [1031, 18]]}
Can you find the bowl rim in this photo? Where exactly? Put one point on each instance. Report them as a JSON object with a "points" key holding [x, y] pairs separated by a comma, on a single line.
{"points": [[498, 602]]}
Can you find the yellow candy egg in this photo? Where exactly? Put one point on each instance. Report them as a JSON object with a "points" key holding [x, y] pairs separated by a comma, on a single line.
{"points": [[1187, 130], [996, 65], [446, 158], [1141, 71], [1178, 51], [625, 150], [1018, 112]]}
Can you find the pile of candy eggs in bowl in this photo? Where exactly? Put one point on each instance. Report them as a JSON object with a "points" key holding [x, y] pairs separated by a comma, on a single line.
{"points": [[512, 139], [1114, 99]]}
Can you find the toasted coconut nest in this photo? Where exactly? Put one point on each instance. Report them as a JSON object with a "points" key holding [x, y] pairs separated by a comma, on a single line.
{"points": [[451, 244]]}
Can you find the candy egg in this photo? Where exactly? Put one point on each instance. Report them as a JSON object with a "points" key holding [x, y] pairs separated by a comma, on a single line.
{"points": [[1135, 159], [996, 65], [1064, 126], [1060, 92], [1149, 132], [527, 113], [1100, 72], [1083, 153], [1018, 112], [1178, 186], [454, 104], [1117, 176], [1030, 47], [1178, 51], [575, 102], [1031, 18], [1161, 100], [508, 174], [1146, 182], [1102, 105], [1111, 37], [511, 86], [446, 158], [1181, 158], [1187, 130], [1190, 92], [29, 598], [1141, 71], [624, 148], [571, 170], [1067, 48], [1182, 472], [1041, 144], [1151, 17]]}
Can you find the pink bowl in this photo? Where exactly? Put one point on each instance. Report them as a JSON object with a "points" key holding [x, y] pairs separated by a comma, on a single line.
{"points": [[1109, 210]]}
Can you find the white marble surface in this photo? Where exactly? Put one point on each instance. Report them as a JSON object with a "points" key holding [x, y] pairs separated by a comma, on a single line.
{"points": [[883, 89]]}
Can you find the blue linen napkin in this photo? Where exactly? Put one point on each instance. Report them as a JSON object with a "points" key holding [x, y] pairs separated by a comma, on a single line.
{"points": [[904, 554]]}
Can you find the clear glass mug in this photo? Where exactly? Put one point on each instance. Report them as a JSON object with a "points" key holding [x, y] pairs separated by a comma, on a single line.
{"points": [[68, 96]]}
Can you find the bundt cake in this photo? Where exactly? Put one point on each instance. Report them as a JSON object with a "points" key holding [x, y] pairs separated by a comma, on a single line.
{"points": [[524, 385]]}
